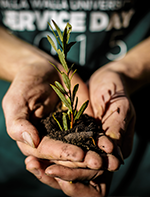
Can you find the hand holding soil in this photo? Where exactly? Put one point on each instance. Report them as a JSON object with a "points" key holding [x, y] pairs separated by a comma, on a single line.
{"points": [[113, 107], [117, 115], [69, 125], [35, 100]]}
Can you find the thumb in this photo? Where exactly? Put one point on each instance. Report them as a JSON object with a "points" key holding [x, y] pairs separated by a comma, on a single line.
{"points": [[18, 126], [22, 130]]}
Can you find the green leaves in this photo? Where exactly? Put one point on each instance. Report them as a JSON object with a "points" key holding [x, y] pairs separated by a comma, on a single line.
{"points": [[81, 110], [65, 123], [62, 39], [60, 87], [75, 89], [66, 80], [52, 43], [62, 59], [62, 97], [58, 30], [55, 67], [65, 94], [69, 46]]}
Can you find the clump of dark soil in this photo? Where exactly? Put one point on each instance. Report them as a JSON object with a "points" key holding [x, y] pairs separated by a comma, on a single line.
{"points": [[84, 133]]}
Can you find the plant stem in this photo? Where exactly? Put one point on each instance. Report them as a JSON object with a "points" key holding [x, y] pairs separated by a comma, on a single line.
{"points": [[71, 123]]}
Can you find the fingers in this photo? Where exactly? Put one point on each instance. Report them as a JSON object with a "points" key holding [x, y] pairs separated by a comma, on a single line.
{"points": [[105, 144], [53, 150], [78, 189], [114, 119], [70, 174], [112, 163], [74, 182], [118, 125], [17, 114], [113, 107], [22, 130], [98, 187], [29, 97], [126, 150], [71, 156], [18, 126], [106, 161], [58, 150], [91, 160], [37, 168], [100, 94]]}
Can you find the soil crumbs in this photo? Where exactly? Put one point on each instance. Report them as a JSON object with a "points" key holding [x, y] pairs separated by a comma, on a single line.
{"points": [[84, 133]]}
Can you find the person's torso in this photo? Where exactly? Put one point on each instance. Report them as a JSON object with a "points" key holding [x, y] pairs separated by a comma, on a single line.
{"points": [[104, 29]]}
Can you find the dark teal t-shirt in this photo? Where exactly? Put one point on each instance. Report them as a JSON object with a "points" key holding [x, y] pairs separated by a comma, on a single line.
{"points": [[104, 30]]}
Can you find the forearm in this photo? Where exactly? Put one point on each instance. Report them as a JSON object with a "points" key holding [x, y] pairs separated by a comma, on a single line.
{"points": [[134, 67], [15, 54]]}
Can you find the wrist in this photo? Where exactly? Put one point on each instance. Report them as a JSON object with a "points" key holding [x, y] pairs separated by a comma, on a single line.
{"points": [[134, 67], [39, 71], [131, 77], [17, 54]]}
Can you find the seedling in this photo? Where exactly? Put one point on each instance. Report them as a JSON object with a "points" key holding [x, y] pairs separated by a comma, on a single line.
{"points": [[66, 94]]}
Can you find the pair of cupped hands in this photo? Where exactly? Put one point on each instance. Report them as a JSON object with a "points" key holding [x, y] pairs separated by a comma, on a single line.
{"points": [[65, 166]]}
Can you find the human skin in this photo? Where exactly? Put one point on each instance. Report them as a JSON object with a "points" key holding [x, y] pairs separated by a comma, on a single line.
{"points": [[109, 88], [118, 125], [30, 92], [30, 97]]}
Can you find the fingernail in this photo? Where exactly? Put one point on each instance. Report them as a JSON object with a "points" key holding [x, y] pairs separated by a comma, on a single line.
{"points": [[36, 172], [58, 180], [49, 173], [27, 139]]}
